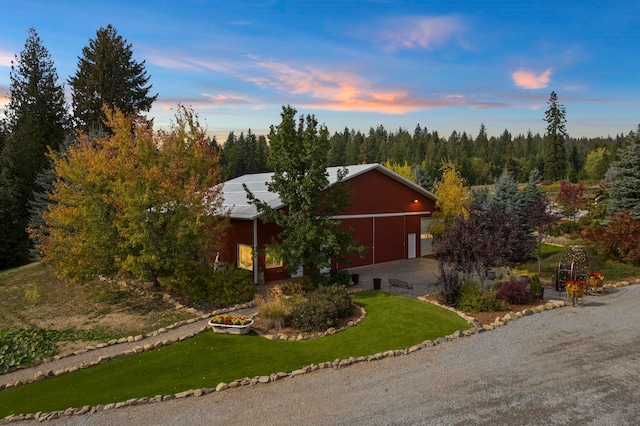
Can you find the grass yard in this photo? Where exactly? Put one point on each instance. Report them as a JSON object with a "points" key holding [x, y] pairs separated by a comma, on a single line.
{"points": [[551, 256], [31, 296], [392, 322]]}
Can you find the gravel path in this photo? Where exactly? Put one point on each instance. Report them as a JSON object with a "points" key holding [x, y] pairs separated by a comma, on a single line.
{"points": [[566, 366]]}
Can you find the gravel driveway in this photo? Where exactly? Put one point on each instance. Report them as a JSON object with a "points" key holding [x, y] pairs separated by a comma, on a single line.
{"points": [[568, 366]]}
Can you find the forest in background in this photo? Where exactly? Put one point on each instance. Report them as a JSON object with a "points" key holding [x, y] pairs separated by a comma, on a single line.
{"points": [[480, 159]]}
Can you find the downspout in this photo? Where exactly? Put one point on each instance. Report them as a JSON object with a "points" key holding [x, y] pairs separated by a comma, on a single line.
{"points": [[256, 267], [374, 241]]}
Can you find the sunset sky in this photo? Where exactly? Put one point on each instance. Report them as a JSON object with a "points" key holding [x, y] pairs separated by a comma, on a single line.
{"points": [[446, 65]]}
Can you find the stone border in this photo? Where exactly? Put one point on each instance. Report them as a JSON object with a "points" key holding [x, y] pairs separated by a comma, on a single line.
{"points": [[307, 336], [41, 375], [337, 364]]}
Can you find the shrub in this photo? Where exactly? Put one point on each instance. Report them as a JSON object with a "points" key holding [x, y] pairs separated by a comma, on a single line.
{"points": [[340, 277], [309, 283], [448, 284], [320, 309], [472, 298], [273, 309], [224, 288], [535, 287], [514, 291], [564, 227], [291, 288]]}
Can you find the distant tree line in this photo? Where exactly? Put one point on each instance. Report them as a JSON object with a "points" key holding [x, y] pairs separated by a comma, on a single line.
{"points": [[480, 160]]}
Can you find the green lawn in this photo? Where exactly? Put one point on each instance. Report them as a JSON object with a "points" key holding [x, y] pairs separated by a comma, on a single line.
{"points": [[392, 322], [550, 255]]}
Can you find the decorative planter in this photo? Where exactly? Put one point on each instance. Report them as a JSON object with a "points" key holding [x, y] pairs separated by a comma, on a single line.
{"points": [[595, 282], [230, 328], [575, 291]]}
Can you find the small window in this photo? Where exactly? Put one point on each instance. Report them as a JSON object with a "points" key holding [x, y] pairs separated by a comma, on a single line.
{"points": [[245, 257], [272, 260]]}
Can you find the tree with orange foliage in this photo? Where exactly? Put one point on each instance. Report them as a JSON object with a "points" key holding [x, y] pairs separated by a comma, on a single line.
{"points": [[135, 204]]}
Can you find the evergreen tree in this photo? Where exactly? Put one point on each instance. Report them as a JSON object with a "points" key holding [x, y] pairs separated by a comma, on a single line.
{"points": [[263, 155], [309, 237], [507, 196], [108, 76], [553, 149], [624, 193], [338, 151], [36, 121]]}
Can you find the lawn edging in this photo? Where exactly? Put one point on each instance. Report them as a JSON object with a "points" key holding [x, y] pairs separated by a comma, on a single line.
{"points": [[43, 373], [248, 381]]}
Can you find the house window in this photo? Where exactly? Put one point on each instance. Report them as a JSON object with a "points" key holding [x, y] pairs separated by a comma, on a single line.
{"points": [[245, 257], [272, 260]]}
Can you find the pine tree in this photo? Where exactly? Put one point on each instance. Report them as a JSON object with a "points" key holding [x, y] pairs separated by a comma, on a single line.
{"points": [[36, 121], [108, 76], [553, 149], [625, 188]]}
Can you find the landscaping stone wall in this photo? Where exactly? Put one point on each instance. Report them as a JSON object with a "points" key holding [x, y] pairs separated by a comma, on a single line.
{"points": [[251, 381]]}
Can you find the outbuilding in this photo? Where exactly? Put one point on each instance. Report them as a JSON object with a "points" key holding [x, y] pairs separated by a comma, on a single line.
{"points": [[389, 214]]}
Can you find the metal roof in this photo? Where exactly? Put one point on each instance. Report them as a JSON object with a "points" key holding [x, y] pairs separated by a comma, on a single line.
{"points": [[237, 204]]}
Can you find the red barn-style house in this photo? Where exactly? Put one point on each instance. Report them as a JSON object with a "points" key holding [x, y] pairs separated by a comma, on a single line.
{"points": [[389, 214]]}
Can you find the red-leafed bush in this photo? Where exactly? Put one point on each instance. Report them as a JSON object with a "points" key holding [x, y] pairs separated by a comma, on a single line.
{"points": [[514, 292], [619, 239]]}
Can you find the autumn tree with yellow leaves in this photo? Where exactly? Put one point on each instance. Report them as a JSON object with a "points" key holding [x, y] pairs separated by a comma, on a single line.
{"points": [[453, 198], [136, 203]]}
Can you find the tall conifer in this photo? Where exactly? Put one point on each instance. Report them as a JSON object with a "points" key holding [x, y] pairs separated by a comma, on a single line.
{"points": [[36, 120]]}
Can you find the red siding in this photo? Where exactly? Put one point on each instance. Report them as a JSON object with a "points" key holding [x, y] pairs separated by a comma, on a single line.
{"points": [[389, 239], [373, 193], [363, 235]]}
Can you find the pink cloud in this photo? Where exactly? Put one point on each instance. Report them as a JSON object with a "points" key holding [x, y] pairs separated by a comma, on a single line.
{"points": [[344, 91], [6, 58], [529, 80]]}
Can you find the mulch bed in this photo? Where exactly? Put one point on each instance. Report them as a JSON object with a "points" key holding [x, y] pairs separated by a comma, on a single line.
{"points": [[489, 317]]}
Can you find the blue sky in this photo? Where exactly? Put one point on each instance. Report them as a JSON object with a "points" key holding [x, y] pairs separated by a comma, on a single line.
{"points": [[446, 65]]}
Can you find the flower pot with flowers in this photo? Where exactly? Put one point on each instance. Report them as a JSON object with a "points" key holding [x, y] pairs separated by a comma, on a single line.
{"points": [[596, 281], [230, 325], [575, 290]]}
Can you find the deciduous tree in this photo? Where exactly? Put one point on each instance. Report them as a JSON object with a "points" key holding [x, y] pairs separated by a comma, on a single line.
{"points": [[597, 163], [452, 198], [298, 156], [138, 204], [570, 196], [485, 238]]}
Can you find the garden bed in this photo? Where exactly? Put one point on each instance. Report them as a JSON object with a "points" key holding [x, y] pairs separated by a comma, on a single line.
{"points": [[490, 317]]}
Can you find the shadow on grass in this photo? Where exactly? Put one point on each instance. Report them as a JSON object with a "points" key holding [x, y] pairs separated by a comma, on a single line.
{"points": [[392, 322]]}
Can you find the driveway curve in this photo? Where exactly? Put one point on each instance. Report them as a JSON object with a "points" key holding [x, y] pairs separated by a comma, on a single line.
{"points": [[574, 365]]}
